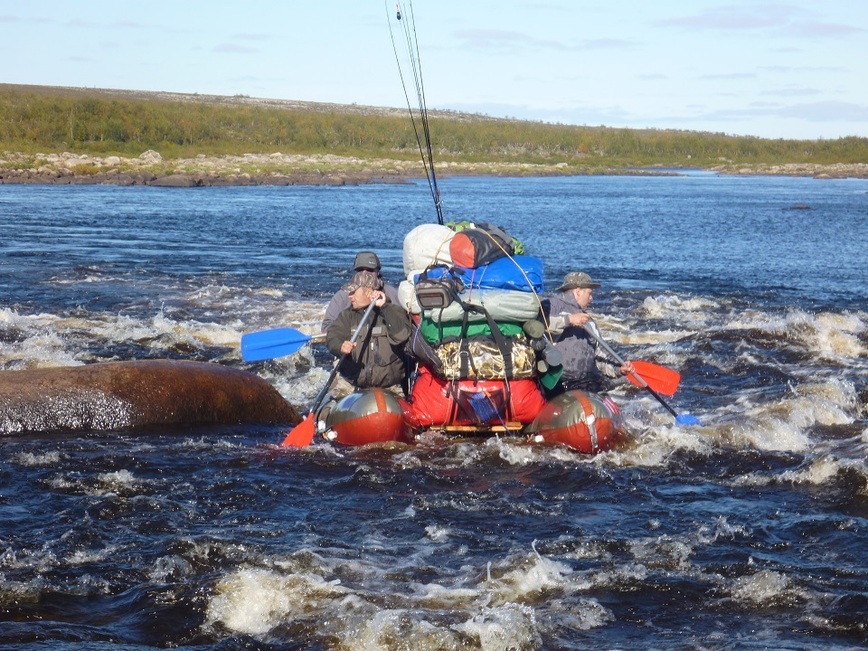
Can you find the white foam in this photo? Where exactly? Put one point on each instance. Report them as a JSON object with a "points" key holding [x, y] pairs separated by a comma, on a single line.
{"points": [[253, 601], [170, 568], [770, 433], [669, 306], [668, 553], [836, 336], [509, 626], [515, 455], [87, 584], [394, 629], [88, 556], [40, 345], [819, 472], [583, 615], [535, 575], [651, 337], [766, 588], [33, 459], [497, 612], [786, 424], [437, 534], [828, 335], [119, 479]]}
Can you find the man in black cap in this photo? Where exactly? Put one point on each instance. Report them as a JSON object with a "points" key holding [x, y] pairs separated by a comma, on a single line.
{"points": [[376, 358], [585, 366], [365, 261]]}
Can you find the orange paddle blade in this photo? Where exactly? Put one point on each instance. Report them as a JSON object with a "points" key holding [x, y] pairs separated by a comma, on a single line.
{"points": [[301, 435], [661, 379]]}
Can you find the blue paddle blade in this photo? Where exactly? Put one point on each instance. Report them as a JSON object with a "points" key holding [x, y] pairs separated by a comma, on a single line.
{"points": [[268, 344], [686, 419]]}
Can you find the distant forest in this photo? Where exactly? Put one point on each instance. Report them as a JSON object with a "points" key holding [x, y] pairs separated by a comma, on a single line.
{"points": [[126, 123]]}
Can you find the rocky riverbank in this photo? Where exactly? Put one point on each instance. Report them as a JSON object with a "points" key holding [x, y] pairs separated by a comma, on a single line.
{"points": [[836, 171], [150, 168]]}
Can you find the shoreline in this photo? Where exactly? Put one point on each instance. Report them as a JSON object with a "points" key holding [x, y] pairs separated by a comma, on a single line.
{"points": [[324, 169]]}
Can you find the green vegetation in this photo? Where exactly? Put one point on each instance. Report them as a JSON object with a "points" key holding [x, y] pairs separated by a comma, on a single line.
{"points": [[45, 119]]}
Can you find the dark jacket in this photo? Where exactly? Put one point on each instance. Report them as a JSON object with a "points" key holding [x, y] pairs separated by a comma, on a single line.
{"points": [[585, 366], [378, 360]]}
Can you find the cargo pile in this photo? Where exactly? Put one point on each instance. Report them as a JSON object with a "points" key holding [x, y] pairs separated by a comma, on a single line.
{"points": [[474, 295]]}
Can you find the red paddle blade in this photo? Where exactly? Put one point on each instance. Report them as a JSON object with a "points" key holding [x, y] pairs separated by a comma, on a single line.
{"points": [[301, 435], [661, 379]]}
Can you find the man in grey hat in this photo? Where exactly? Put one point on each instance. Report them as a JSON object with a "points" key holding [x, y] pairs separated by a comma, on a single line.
{"points": [[365, 261], [376, 358], [585, 366]]}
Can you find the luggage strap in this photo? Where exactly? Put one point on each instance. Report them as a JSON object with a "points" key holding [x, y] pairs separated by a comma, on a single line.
{"points": [[504, 348], [590, 419]]}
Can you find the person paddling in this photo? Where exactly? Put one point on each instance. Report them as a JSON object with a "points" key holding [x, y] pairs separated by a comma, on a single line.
{"points": [[586, 367], [365, 261], [376, 358]]}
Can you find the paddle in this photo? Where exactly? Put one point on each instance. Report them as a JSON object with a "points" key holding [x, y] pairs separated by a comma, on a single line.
{"points": [[278, 342], [660, 378], [680, 419], [302, 434]]}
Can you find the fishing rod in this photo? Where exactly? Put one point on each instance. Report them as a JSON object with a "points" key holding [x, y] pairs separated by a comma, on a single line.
{"points": [[408, 27]]}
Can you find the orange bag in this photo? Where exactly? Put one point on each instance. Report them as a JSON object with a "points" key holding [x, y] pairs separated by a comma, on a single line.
{"points": [[437, 402]]}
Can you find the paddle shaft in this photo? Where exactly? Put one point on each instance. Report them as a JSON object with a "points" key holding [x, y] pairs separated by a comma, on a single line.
{"points": [[328, 384], [591, 328]]}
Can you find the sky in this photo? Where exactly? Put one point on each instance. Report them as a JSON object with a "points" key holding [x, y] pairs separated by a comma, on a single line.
{"points": [[785, 69]]}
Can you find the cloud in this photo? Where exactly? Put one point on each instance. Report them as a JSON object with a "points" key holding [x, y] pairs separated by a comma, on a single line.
{"points": [[729, 76], [497, 39], [129, 24], [825, 112], [511, 41], [735, 18], [802, 69], [791, 92], [234, 48], [253, 37], [822, 30], [606, 44], [783, 20], [77, 22], [835, 118]]}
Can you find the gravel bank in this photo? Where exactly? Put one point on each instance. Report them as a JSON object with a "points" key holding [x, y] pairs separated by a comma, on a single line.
{"points": [[150, 168]]}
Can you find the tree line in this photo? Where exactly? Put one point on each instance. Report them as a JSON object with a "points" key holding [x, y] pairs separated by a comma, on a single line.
{"points": [[40, 119]]}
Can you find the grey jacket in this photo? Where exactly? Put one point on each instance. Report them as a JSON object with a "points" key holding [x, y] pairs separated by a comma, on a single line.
{"points": [[583, 360]]}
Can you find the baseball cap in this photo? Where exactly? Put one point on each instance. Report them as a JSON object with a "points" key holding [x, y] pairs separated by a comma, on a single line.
{"points": [[366, 261]]}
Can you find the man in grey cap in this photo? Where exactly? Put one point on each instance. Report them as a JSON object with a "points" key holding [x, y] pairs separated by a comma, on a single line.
{"points": [[376, 357], [585, 366], [365, 261]]}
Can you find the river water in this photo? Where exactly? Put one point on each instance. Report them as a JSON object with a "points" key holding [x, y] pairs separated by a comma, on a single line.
{"points": [[749, 531]]}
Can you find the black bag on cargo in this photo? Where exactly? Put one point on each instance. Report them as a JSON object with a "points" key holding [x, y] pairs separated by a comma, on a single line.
{"points": [[437, 293], [480, 245]]}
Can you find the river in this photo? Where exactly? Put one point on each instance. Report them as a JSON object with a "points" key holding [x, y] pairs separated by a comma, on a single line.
{"points": [[749, 531]]}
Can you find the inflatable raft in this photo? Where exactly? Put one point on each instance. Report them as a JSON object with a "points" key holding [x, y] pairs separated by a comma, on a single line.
{"points": [[483, 360], [585, 422]]}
